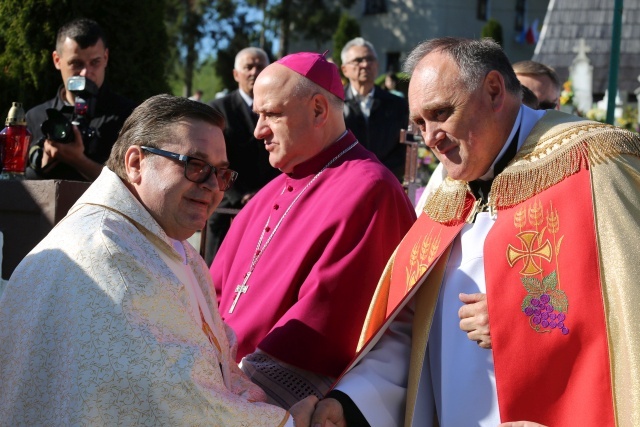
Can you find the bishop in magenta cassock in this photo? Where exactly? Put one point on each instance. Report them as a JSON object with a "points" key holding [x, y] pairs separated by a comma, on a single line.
{"points": [[297, 270]]}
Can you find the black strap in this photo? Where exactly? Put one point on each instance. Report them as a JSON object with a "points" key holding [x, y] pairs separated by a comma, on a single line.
{"points": [[482, 188]]}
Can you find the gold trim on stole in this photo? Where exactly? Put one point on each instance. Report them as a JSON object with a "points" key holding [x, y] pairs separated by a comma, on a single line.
{"points": [[554, 150], [558, 146], [618, 233], [378, 308], [425, 305]]}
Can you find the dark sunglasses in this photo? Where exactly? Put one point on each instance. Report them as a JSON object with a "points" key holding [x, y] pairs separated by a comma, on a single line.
{"points": [[197, 170]]}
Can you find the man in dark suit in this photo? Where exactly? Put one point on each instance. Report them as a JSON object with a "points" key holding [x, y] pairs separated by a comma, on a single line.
{"points": [[246, 154], [374, 115]]}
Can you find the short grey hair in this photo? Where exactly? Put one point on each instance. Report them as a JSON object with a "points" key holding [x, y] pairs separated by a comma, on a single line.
{"points": [[305, 88], [358, 41], [475, 59], [253, 51]]}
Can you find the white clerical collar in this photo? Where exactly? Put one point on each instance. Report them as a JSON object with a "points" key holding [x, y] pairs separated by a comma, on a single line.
{"points": [[526, 119], [247, 99]]}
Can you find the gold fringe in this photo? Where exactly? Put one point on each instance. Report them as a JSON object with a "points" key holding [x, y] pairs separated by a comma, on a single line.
{"points": [[559, 157], [557, 147], [447, 202]]}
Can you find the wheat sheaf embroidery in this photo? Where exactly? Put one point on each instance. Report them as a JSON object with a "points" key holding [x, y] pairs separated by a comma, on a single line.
{"points": [[422, 255], [545, 304]]}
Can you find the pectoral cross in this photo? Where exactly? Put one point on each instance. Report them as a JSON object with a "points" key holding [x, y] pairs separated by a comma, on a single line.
{"points": [[240, 289]]}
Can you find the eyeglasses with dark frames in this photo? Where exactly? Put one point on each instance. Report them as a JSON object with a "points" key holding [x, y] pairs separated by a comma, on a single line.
{"points": [[197, 170], [357, 61]]}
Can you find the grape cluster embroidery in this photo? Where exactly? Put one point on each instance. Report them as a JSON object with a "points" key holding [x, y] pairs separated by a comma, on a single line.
{"points": [[545, 305]]}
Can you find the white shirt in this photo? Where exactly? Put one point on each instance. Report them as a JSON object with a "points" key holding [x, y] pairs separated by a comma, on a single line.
{"points": [[366, 101], [247, 99]]}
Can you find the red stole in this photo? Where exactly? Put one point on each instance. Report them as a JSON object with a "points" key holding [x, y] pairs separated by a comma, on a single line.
{"points": [[546, 310], [425, 242], [543, 246], [416, 256]]}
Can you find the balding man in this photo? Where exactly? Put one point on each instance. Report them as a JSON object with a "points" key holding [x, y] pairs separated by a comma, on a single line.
{"points": [[540, 91], [246, 154], [297, 270]]}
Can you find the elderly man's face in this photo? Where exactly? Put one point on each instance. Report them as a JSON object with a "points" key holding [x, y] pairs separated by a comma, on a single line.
{"points": [[361, 65], [284, 121], [250, 65], [455, 124], [180, 206]]}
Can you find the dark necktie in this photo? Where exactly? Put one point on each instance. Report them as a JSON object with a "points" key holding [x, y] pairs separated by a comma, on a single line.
{"points": [[481, 188]]}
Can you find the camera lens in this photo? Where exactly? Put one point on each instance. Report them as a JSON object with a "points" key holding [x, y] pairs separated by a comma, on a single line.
{"points": [[59, 132], [57, 127]]}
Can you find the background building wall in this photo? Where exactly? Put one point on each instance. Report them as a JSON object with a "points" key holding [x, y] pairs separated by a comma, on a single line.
{"points": [[405, 23]]}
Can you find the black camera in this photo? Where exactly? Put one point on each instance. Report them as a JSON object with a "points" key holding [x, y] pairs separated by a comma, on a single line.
{"points": [[58, 128]]}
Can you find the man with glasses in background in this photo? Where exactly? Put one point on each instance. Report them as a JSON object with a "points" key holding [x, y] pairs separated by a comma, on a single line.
{"points": [[374, 115], [245, 153], [111, 319]]}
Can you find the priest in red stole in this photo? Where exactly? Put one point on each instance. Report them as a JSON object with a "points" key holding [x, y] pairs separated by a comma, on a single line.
{"points": [[540, 215]]}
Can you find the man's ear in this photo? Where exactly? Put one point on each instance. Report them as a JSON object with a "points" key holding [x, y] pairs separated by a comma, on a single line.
{"points": [[133, 164], [56, 59], [320, 109], [494, 87]]}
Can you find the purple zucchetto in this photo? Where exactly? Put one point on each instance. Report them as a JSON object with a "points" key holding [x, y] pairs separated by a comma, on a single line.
{"points": [[316, 68]]}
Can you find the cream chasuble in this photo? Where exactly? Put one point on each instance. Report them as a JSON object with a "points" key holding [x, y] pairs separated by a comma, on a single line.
{"points": [[99, 328]]}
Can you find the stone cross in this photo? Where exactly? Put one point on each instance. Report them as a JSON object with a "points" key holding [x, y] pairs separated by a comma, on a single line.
{"points": [[581, 73]]}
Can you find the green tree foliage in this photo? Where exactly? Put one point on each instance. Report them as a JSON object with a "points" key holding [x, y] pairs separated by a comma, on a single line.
{"points": [[138, 48], [189, 22], [205, 79], [348, 28], [243, 36], [492, 29], [314, 20]]}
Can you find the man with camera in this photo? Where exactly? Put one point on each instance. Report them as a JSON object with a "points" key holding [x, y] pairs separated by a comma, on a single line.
{"points": [[72, 134]]}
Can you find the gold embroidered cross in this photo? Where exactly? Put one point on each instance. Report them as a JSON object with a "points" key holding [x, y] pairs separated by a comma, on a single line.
{"points": [[528, 253]]}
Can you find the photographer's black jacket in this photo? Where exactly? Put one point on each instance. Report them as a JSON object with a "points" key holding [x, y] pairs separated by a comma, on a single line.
{"points": [[111, 110]]}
